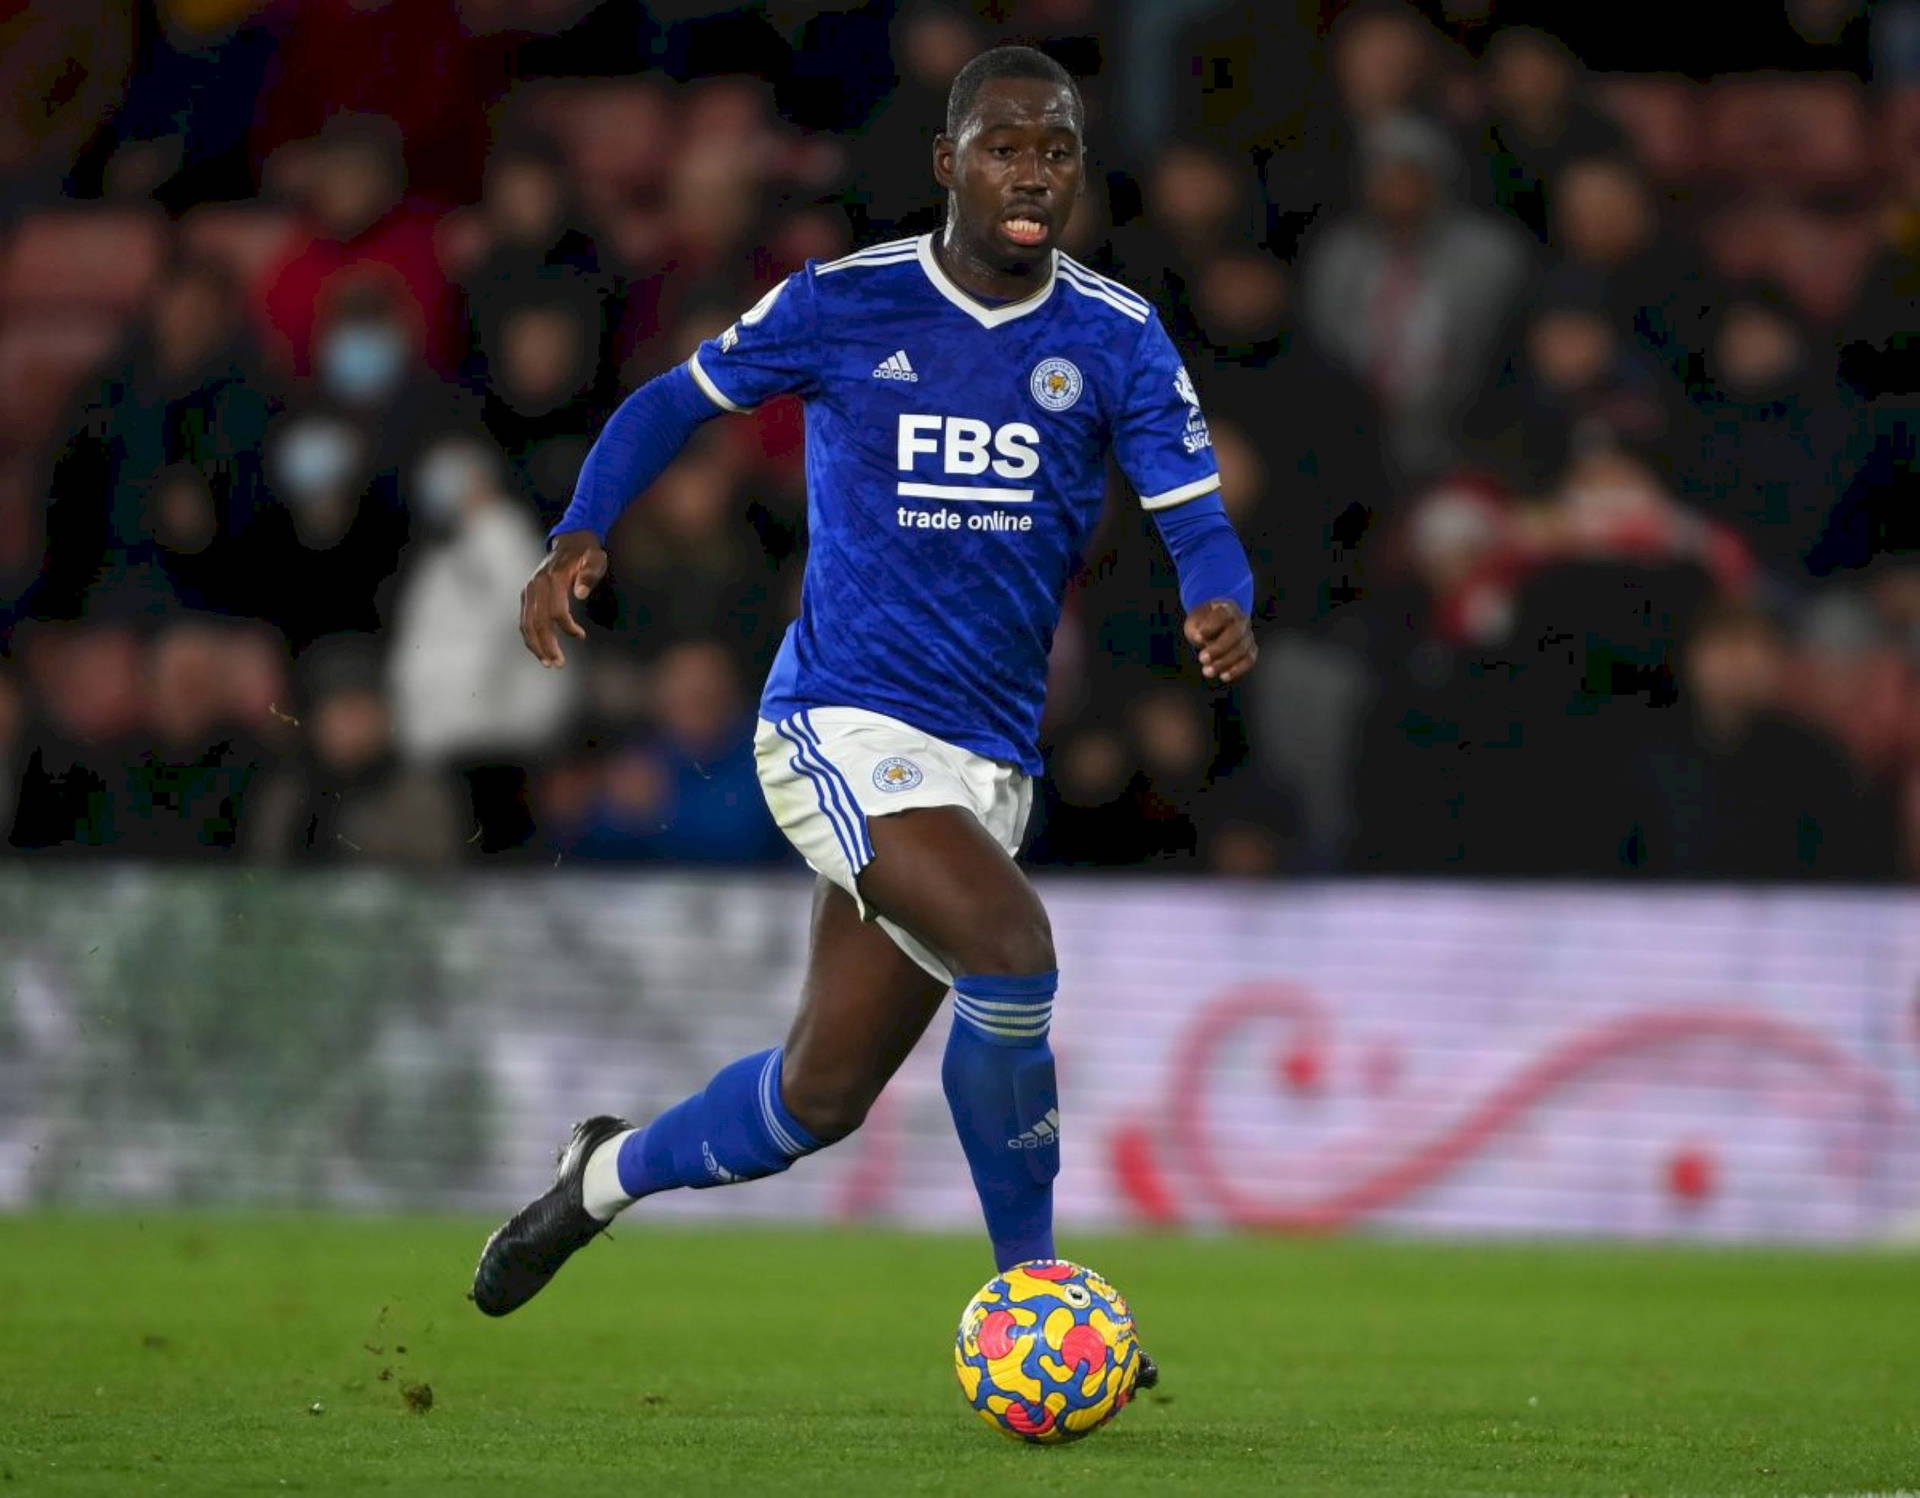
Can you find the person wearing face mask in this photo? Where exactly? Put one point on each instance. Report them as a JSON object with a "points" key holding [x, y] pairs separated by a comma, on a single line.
{"points": [[466, 695], [367, 365], [353, 184], [185, 390], [340, 530]]}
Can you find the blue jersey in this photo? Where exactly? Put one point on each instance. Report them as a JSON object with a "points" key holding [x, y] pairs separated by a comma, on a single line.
{"points": [[956, 465]]}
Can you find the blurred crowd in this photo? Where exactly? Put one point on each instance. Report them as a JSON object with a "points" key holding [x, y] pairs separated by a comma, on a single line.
{"points": [[1561, 363]]}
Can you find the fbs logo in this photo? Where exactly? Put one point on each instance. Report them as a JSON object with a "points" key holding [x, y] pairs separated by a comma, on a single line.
{"points": [[1042, 1134]]}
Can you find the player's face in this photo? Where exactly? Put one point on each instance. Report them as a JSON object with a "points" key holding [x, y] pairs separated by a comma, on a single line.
{"points": [[1013, 171]]}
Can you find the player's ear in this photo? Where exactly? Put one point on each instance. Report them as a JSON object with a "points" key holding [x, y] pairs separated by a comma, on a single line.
{"points": [[943, 149]]}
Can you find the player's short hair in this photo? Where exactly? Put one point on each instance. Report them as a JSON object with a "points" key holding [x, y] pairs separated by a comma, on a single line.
{"points": [[1007, 62]]}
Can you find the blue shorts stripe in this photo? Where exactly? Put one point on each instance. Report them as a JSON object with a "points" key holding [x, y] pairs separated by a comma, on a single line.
{"points": [[855, 814], [801, 766], [845, 809]]}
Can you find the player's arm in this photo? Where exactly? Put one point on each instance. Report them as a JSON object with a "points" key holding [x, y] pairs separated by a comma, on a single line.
{"points": [[1216, 585], [1166, 451], [768, 352], [633, 449]]}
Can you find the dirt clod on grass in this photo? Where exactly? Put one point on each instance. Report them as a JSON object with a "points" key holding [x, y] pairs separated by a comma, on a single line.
{"points": [[418, 1397]]}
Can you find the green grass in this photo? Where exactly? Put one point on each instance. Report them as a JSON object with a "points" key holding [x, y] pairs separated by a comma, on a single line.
{"points": [[188, 1354]]}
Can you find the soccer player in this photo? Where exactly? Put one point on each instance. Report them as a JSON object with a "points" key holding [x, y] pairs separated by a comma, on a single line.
{"points": [[962, 393]]}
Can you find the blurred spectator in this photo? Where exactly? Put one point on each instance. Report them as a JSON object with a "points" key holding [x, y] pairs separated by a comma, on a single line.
{"points": [[188, 391], [689, 793], [89, 681], [191, 562], [341, 531], [1736, 790], [1773, 432], [547, 392], [892, 191], [181, 131], [351, 183], [1199, 205], [1575, 383], [1383, 59], [526, 234], [1413, 293], [1541, 121], [688, 564], [1604, 223], [346, 797], [466, 694], [186, 793], [410, 61], [62, 70]]}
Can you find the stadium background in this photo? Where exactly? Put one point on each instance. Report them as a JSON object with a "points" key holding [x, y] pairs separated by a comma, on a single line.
{"points": [[1563, 390]]}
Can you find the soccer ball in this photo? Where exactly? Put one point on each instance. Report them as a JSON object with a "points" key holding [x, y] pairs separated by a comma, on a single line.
{"points": [[1047, 1352]]}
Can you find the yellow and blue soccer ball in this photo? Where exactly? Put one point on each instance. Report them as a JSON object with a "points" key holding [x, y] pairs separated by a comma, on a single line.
{"points": [[1047, 1352]]}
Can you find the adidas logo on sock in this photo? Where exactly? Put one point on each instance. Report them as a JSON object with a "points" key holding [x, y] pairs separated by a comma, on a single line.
{"points": [[721, 1175], [1046, 1132], [895, 367]]}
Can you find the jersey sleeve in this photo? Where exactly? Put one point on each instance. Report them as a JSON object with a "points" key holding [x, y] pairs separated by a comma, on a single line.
{"points": [[1160, 437], [772, 349]]}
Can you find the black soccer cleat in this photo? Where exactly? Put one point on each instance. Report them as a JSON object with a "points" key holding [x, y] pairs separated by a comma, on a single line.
{"points": [[528, 1249], [1148, 1376]]}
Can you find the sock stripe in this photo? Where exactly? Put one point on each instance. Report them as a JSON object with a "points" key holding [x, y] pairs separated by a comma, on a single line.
{"points": [[1003, 1021], [993, 1026], [769, 1113], [997, 1006]]}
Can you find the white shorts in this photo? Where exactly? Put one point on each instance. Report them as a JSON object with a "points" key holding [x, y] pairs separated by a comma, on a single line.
{"points": [[828, 770]]}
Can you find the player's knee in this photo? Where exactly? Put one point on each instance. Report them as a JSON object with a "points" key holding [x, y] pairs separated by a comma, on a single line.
{"points": [[827, 1106], [1010, 942]]}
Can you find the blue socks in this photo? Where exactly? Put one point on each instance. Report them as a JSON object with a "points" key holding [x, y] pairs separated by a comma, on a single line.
{"points": [[998, 1074], [737, 1130], [999, 1081]]}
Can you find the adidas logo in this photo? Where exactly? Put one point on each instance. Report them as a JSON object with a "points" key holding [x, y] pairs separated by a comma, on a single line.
{"points": [[721, 1175], [1042, 1134], [895, 367]]}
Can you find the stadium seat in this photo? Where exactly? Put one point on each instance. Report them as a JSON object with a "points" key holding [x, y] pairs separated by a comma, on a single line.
{"points": [[1809, 132], [43, 357], [102, 258], [250, 238], [1661, 116]]}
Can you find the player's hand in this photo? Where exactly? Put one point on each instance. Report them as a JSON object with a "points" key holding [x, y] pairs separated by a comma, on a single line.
{"points": [[572, 570], [1224, 637]]}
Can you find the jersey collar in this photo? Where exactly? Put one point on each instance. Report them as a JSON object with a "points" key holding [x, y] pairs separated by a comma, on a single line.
{"points": [[987, 317]]}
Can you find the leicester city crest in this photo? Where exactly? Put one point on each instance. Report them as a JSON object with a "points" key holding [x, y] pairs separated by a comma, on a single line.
{"points": [[896, 774], [1056, 383]]}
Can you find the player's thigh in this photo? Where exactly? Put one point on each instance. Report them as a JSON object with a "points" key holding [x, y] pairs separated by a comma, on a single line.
{"points": [[864, 1005], [938, 872]]}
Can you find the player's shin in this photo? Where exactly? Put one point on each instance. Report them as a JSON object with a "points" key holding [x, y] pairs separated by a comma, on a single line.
{"points": [[999, 1081], [736, 1129]]}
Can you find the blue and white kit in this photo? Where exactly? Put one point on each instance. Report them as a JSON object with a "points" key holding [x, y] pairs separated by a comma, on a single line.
{"points": [[956, 459]]}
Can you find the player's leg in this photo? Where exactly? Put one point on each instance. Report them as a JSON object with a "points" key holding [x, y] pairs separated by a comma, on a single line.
{"points": [[941, 875], [865, 1003]]}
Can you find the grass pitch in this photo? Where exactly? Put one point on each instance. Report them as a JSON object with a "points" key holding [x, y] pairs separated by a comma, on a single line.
{"points": [[213, 1355]]}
